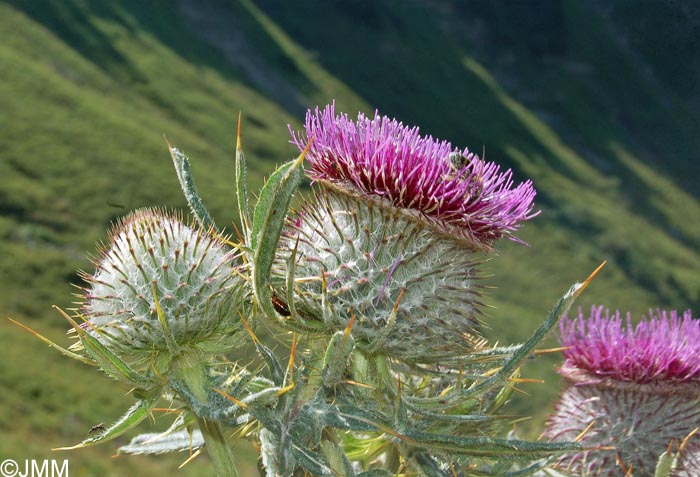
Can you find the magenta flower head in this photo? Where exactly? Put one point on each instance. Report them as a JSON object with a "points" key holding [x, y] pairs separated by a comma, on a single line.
{"points": [[389, 241], [460, 194], [631, 389]]}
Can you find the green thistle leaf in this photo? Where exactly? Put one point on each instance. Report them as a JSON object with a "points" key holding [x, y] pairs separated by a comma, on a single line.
{"points": [[242, 185], [487, 446], [109, 362], [667, 462], [182, 169], [132, 417], [268, 220]]}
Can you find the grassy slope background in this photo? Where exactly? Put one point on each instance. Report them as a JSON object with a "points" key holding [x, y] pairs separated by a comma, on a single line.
{"points": [[596, 101]]}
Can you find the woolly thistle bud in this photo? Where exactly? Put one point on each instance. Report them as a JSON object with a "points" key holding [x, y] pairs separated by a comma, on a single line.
{"points": [[413, 294], [635, 390], [688, 464], [156, 261]]}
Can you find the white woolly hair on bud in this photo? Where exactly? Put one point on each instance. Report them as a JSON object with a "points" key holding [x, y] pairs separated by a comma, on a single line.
{"points": [[156, 260], [625, 424], [413, 293]]}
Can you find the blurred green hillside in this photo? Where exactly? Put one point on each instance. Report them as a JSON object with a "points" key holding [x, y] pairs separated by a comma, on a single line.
{"points": [[598, 102]]}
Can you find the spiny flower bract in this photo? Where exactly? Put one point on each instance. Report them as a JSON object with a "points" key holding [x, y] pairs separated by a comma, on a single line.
{"points": [[413, 295], [458, 192], [689, 458], [155, 259]]}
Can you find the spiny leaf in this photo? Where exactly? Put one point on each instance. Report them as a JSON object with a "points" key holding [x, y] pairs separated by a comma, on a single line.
{"points": [[336, 458], [489, 447], [666, 463], [311, 461], [242, 185], [61, 349], [521, 354], [182, 169], [109, 362], [335, 361], [133, 416], [159, 443], [268, 220], [162, 319]]}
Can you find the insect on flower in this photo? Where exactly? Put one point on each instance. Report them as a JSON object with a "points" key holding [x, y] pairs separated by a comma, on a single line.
{"points": [[458, 162], [452, 190]]}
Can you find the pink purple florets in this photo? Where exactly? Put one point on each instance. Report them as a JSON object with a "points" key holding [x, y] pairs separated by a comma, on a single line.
{"points": [[663, 348], [382, 158]]}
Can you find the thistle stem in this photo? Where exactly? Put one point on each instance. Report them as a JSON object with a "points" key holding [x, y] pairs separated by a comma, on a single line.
{"points": [[194, 375], [218, 449]]}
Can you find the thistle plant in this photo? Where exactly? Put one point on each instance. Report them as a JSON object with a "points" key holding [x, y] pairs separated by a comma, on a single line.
{"points": [[632, 393], [373, 281], [390, 238]]}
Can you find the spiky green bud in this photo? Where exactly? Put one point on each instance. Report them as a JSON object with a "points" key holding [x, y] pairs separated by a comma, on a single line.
{"points": [[162, 286], [413, 293]]}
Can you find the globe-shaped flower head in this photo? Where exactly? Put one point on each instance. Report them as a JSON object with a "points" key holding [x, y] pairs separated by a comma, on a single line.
{"points": [[636, 389], [155, 262], [452, 189], [392, 234]]}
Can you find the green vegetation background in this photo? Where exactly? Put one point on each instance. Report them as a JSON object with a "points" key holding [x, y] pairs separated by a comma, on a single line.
{"points": [[596, 101]]}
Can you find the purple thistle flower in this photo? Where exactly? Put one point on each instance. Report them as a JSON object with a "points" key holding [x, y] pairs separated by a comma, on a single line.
{"points": [[632, 389], [459, 193], [664, 348]]}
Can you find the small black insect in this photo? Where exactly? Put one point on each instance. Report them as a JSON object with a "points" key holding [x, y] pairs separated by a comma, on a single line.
{"points": [[97, 428]]}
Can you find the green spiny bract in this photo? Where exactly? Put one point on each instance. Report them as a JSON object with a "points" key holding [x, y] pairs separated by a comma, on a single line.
{"points": [[413, 293], [155, 261], [628, 425], [688, 463]]}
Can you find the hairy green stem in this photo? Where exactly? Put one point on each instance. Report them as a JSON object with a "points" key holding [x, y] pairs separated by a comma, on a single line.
{"points": [[218, 449], [194, 375]]}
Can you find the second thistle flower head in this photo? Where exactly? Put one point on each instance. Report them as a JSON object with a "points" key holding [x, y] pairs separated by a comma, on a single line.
{"points": [[664, 348], [157, 265], [458, 193], [634, 389]]}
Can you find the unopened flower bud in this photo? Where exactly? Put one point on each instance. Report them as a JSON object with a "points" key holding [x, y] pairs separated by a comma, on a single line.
{"points": [[155, 262]]}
